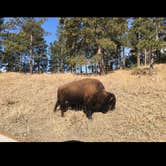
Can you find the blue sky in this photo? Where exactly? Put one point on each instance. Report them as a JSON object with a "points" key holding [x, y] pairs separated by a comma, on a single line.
{"points": [[51, 26]]}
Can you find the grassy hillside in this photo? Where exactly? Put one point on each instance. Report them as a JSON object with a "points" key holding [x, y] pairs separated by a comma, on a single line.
{"points": [[27, 102]]}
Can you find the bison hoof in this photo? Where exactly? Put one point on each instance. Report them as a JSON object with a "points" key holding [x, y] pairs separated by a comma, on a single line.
{"points": [[89, 117], [62, 114]]}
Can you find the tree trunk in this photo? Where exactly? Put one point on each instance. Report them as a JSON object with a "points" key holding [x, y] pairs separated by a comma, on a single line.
{"points": [[81, 69], [118, 53], [61, 67], [124, 58], [31, 55], [105, 59], [111, 66], [100, 61], [138, 53], [151, 62], [20, 66], [38, 66], [75, 68], [55, 68], [100, 69], [38, 59], [157, 38], [86, 69], [138, 58], [95, 68], [120, 60], [145, 57], [157, 33], [92, 69], [159, 56]]}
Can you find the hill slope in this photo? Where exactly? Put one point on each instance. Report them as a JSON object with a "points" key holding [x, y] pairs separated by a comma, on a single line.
{"points": [[27, 101]]}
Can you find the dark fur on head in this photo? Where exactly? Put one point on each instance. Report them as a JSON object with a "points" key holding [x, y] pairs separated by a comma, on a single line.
{"points": [[103, 101], [112, 101]]}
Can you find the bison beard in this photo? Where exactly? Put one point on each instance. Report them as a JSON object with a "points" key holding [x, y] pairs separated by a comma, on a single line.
{"points": [[87, 94]]}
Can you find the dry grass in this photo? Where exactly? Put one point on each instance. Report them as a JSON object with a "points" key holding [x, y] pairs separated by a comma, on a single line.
{"points": [[27, 101]]}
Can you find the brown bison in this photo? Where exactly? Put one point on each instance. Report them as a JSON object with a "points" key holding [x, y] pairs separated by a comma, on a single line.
{"points": [[88, 93]]}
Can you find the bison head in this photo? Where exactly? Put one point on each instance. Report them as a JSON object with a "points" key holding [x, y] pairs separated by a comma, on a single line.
{"points": [[109, 102]]}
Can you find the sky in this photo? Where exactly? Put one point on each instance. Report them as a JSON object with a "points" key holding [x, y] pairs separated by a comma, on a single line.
{"points": [[51, 26]]}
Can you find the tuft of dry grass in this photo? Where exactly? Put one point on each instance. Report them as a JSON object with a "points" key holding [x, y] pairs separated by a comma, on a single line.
{"points": [[27, 102], [142, 70]]}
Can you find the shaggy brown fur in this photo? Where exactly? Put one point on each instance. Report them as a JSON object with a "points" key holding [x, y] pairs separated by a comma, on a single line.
{"points": [[88, 93]]}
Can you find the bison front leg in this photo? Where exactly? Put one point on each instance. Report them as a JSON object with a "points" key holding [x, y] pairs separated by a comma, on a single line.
{"points": [[88, 112], [87, 107], [56, 105], [63, 109]]}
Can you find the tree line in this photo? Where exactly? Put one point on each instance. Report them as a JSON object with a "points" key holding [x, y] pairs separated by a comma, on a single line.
{"points": [[24, 44], [97, 44]]}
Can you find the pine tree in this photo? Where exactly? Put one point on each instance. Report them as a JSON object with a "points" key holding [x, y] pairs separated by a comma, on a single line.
{"points": [[26, 39], [89, 36], [34, 32], [147, 41], [15, 46], [56, 57]]}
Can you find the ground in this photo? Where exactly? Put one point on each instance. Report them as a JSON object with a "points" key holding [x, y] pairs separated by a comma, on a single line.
{"points": [[27, 102]]}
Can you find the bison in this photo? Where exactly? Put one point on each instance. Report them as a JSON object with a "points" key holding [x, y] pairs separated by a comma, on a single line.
{"points": [[88, 93]]}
